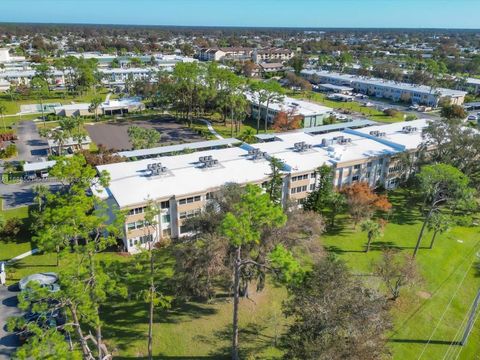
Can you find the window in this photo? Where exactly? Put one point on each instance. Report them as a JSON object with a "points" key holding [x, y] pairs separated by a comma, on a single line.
{"points": [[355, 178], [136, 225], [357, 167], [130, 243], [209, 196], [300, 177], [146, 238], [369, 164], [312, 175], [166, 232], [165, 204], [185, 229], [312, 187], [304, 188], [165, 218], [305, 177], [189, 214], [293, 190], [189, 200], [139, 210]]}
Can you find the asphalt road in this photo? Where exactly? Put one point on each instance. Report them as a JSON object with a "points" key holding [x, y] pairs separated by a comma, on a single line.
{"points": [[30, 145], [8, 308]]}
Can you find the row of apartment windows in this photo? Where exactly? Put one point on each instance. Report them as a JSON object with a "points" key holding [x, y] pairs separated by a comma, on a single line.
{"points": [[141, 210], [189, 214], [140, 240], [298, 189], [137, 225], [301, 177], [394, 169], [190, 200]]}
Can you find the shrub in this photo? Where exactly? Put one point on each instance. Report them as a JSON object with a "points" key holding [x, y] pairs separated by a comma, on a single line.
{"points": [[8, 152], [7, 136], [390, 112], [12, 227]]}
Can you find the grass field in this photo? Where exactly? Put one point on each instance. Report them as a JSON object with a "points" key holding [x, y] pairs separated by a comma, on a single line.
{"points": [[22, 243], [432, 310]]}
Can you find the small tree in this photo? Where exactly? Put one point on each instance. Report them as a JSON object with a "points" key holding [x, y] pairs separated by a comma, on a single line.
{"points": [[396, 270], [438, 223], [274, 185], [3, 109], [362, 201], [243, 228], [94, 105], [441, 185], [317, 200], [453, 112], [41, 192], [374, 230], [151, 295], [285, 121], [334, 317]]}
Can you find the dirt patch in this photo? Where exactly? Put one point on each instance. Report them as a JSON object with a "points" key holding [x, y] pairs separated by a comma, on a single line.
{"points": [[424, 294], [113, 135]]}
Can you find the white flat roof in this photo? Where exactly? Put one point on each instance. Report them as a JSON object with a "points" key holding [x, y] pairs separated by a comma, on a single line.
{"points": [[350, 79], [41, 165], [130, 184], [302, 107]]}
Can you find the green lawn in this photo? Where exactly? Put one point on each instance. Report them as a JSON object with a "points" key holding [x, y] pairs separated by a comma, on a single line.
{"points": [[197, 330], [22, 243], [371, 113]]}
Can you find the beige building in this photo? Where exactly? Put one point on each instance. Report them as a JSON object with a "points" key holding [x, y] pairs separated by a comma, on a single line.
{"points": [[181, 185]]}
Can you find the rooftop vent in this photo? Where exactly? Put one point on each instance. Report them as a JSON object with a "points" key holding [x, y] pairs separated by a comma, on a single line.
{"points": [[342, 140], [409, 129], [327, 142], [257, 154], [377, 133], [208, 161], [156, 169], [302, 146]]}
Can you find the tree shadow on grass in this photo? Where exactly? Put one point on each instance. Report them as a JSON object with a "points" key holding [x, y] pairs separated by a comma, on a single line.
{"points": [[337, 250], [252, 340]]}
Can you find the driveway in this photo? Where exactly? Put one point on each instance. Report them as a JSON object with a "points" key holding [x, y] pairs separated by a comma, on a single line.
{"points": [[16, 195], [30, 145], [8, 308]]}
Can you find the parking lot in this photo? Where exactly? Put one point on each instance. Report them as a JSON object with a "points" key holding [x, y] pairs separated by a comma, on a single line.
{"points": [[114, 135]]}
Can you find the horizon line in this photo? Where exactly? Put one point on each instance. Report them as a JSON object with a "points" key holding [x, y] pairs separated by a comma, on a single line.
{"points": [[239, 26]]}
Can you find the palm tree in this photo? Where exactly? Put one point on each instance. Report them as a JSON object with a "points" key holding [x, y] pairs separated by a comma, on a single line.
{"points": [[248, 135], [373, 229], [94, 105], [40, 192], [3, 108], [438, 223], [59, 136]]}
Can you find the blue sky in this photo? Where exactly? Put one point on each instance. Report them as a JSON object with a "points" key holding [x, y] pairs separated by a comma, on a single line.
{"points": [[283, 13]]}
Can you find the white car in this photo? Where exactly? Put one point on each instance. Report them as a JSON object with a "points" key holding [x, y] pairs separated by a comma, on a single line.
{"points": [[472, 118]]}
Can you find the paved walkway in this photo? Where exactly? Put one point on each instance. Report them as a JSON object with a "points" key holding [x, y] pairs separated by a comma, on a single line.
{"points": [[211, 129]]}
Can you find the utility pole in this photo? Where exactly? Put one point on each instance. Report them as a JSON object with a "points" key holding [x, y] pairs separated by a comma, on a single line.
{"points": [[471, 319]]}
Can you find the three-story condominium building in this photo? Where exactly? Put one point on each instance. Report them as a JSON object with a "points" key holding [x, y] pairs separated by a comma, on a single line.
{"points": [[397, 91], [181, 185]]}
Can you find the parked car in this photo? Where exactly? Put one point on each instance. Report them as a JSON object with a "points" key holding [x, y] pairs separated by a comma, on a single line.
{"points": [[44, 279], [472, 118]]}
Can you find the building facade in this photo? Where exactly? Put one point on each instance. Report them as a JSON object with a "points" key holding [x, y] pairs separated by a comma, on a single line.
{"points": [[181, 185], [396, 91]]}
